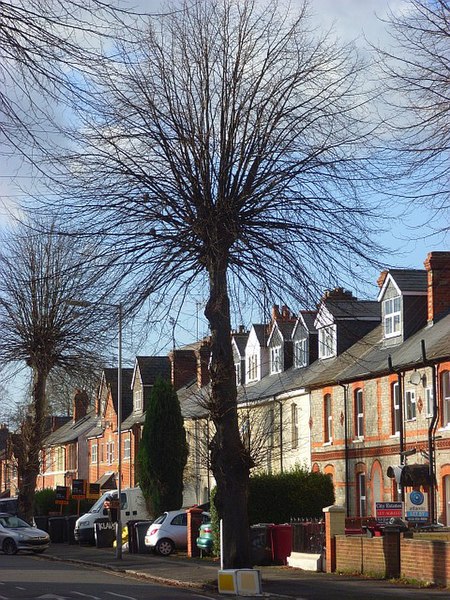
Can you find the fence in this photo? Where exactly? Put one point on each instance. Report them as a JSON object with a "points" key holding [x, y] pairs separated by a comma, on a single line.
{"points": [[308, 535]]}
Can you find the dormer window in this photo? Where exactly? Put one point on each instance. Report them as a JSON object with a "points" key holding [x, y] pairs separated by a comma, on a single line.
{"points": [[275, 359], [237, 370], [252, 367], [392, 316], [300, 353], [138, 400], [327, 341]]}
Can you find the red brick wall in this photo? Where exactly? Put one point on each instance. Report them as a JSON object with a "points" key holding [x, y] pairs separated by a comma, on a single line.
{"points": [[426, 560], [370, 556]]}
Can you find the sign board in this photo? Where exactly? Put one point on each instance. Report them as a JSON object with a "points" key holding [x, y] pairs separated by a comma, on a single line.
{"points": [[62, 495], [416, 507], [79, 489], [93, 491], [388, 510]]}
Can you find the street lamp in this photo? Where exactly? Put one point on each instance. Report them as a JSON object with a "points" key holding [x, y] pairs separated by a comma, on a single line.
{"points": [[85, 304]]}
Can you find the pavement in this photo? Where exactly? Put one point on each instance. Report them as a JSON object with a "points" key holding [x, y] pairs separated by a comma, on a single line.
{"points": [[278, 582]]}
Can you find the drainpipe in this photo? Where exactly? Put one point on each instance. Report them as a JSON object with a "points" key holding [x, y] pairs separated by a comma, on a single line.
{"points": [[346, 450], [401, 432], [431, 433]]}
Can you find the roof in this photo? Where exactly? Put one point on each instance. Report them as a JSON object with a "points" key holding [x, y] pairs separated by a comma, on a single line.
{"points": [[261, 333], [240, 340], [152, 367], [308, 317], [71, 431], [352, 309], [110, 375], [410, 280]]}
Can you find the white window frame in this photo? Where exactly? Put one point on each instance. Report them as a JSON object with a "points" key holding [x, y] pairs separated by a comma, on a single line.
{"points": [[275, 359], [60, 452], [237, 370], [94, 454], [301, 353], [362, 494], [294, 425], [396, 415], [359, 413], [138, 404], [392, 311], [327, 341], [328, 417], [446, 399], [410, 405], [127, 448], [252, 367], [110, 453]]}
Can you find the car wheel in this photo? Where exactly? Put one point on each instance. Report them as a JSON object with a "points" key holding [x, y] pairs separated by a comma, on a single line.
{"points": [[165, 547], [9, 546]]}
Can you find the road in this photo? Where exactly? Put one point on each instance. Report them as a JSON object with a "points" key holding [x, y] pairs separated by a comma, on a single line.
{"points": [[26, 577]]}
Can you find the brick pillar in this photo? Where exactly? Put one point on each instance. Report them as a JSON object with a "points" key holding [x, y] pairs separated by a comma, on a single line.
{"points": [[194, 520], [334, 525]]}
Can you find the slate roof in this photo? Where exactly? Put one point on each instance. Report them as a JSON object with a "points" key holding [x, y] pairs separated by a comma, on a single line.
{"points": [[152, 367], [286, 329], [410, 280], [110, 375], [353, 309], [261, 332], [309, 317], [240, 341], [71, 431]]}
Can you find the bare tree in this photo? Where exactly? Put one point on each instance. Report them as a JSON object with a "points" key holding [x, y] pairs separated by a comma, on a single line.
{"points": [[228, 146], [418, 76], [39, 275]]}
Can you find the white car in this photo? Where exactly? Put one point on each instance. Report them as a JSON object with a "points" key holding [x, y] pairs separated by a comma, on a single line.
{"points": [[16, 534], [169, 532]]}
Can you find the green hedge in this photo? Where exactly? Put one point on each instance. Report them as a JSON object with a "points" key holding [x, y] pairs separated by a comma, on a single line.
{"points": [[279, 498], [294, 494], [44, 503]]}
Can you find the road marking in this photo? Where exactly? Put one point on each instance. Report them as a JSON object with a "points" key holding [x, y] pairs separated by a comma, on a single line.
{"points": [[20, 588], [86, 595], [122, 596], [3, 598], [51, 597]]}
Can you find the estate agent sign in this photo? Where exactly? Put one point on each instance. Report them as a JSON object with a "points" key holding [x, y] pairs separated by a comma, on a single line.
{"points": [[416, 507]]}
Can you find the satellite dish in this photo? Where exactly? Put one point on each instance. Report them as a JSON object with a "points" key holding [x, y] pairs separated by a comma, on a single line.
{"points": [[415, 378]]}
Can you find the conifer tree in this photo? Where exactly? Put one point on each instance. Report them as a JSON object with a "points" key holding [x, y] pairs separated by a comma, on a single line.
{"points": [[163, 450]]}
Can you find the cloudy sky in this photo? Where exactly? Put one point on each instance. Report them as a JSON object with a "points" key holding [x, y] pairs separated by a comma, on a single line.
{"points": [[408, 231]]}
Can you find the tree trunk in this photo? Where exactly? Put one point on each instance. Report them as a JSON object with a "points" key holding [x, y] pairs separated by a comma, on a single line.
{"points": [[29, 445], [229, 461]]}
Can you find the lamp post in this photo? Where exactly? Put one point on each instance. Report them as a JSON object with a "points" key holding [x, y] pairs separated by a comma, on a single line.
{"points": [[85, 304]]}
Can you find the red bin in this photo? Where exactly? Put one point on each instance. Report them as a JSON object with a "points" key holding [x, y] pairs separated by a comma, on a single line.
{"points": [[281, 542]]}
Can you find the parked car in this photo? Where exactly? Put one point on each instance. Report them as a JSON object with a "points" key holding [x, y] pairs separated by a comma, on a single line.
{"points": [[205, 538], [16, 534], [169, 532]]}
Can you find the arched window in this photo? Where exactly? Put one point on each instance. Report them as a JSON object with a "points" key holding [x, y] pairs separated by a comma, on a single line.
{"points": [[445, 381]]}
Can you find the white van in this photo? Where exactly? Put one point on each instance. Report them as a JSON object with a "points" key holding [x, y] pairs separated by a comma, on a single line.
{"points": [[133, 507]]}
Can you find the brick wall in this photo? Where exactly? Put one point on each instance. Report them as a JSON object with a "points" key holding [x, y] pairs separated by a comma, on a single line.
{"points": [[392, 556], [369, 556], [426, 560]]}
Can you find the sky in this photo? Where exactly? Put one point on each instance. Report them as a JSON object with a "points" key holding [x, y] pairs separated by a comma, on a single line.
{"points": [[408, 232]]}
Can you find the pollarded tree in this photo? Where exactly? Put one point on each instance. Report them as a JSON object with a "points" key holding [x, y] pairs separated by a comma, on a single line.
{"points": [[40, 275], [418, 76], [163, 450], [226, 148]]}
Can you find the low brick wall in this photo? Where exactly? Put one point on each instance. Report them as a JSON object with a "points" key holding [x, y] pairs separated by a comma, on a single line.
{"points": [[426, 560], [377, 556]]}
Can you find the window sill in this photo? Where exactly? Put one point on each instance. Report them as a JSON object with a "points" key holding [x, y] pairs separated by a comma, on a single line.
{"points": [[358, 440], [412, 420], [330, 443]]}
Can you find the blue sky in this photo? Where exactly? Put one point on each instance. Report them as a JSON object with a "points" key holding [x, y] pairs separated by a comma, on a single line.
{"points": [[409, 232]]}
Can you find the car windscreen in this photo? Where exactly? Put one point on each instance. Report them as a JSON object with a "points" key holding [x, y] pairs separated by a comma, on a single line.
{"points": [[98, 506], [12, 522]]}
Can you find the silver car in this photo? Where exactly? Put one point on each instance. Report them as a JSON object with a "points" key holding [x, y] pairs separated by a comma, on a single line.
{"points": [[169, 532], [16, 534]]}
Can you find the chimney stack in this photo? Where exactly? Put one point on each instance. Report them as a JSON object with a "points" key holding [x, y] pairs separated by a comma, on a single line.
{"points": [[80, 405], [437, 265]]}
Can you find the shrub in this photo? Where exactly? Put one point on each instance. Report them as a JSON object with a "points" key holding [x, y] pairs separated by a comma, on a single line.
{"points": [[44, 503], [299, 494]]}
